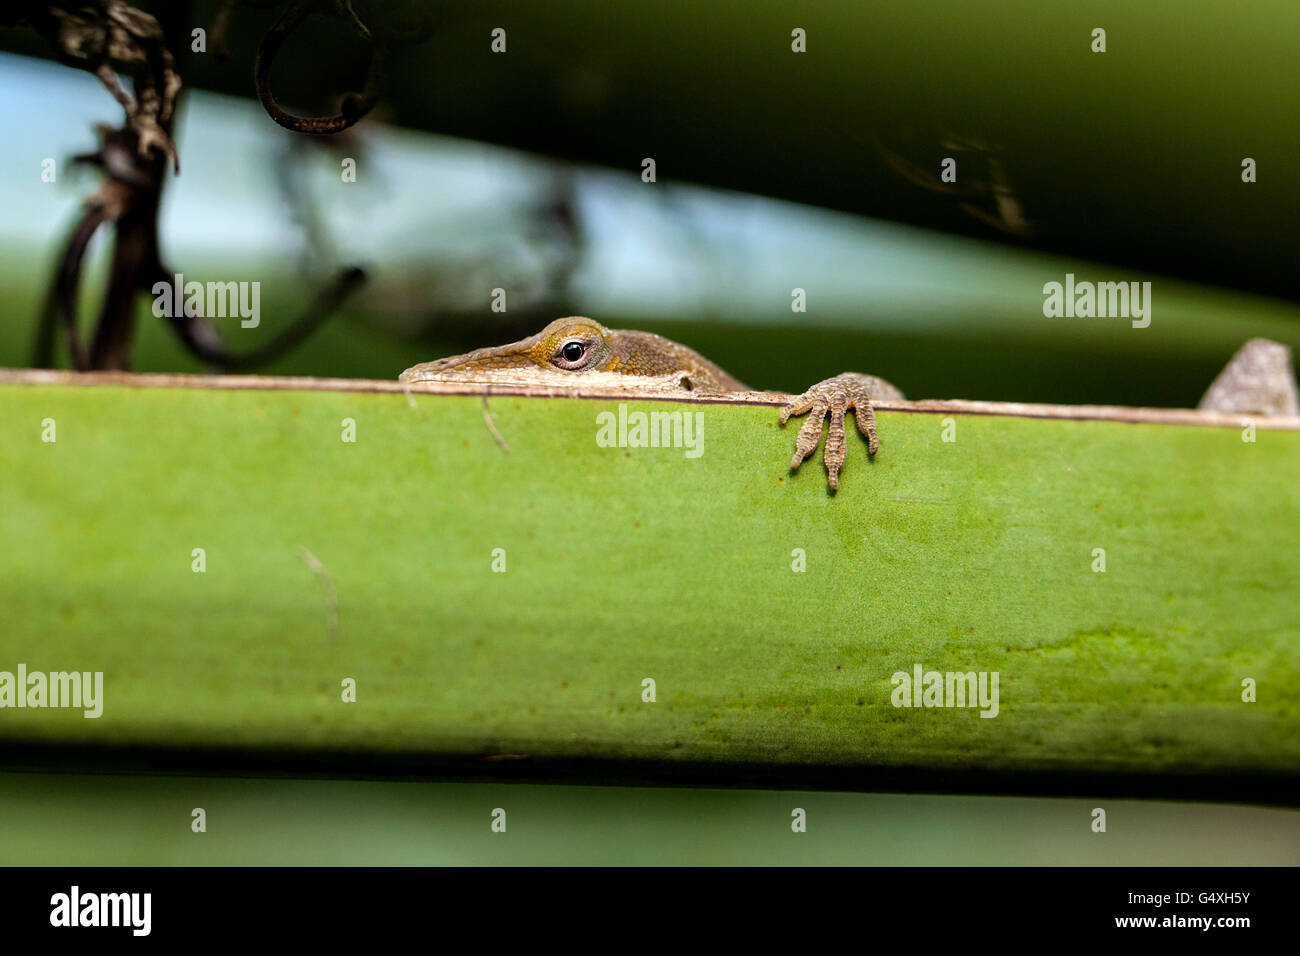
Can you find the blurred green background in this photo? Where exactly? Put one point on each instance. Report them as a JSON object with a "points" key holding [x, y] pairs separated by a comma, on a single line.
{"points": [[1122, 166], [69, 819], [775, 171]]}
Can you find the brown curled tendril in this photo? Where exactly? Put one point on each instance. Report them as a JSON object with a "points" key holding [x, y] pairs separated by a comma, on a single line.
{"points": [[354, 105]]}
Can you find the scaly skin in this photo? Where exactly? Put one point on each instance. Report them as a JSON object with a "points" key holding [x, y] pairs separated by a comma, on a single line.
{"points": [[847, 392], [577, 350]]}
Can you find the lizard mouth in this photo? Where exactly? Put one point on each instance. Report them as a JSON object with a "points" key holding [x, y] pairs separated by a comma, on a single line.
{"points": [[454, 369], [418, 373], [464, 374], [489, 366]]}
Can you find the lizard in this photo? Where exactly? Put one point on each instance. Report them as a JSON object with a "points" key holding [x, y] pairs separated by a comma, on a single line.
{"points": [[1260, 377], [579, 350]]}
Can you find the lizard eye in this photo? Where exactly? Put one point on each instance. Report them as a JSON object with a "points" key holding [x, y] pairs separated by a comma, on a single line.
{"points": [[573, 355]]}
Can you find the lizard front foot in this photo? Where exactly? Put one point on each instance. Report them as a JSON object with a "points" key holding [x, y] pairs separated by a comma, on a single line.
{"points": [[847, 392]]}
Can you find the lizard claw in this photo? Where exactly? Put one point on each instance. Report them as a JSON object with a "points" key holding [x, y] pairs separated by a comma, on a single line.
{"points": [[838, 395]]}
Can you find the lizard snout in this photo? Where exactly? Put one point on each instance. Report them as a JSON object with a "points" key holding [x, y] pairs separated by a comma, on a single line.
{"points": [[414, 373], [491, 365], [439, 368], [423, 372]]}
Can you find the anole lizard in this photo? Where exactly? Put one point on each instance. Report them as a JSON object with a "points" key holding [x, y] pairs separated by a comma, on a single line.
{"points": [[576, 350]]}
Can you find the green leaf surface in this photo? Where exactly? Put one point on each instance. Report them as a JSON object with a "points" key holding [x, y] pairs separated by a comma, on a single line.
{"points": [[630, 563]]}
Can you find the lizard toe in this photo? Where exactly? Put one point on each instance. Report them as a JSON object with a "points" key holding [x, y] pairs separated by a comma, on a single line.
{"points": [[848, 392], [809, 437]]}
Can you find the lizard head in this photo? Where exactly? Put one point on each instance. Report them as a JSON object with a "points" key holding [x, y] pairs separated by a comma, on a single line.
{"points": [[566, 346]]}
